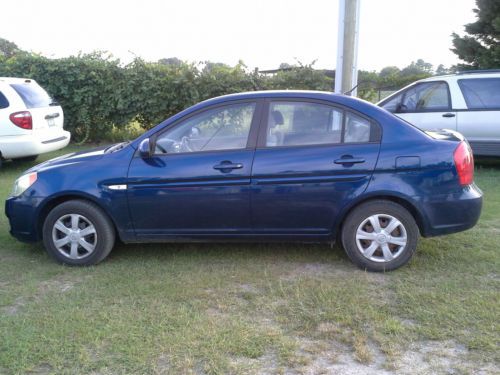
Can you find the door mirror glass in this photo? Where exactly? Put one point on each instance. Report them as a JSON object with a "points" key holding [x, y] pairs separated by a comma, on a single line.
{"points": [[145, 148]]}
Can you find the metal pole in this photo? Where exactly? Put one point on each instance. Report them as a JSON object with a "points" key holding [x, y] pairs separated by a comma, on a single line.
{"points": [[346, 73], [340, 48]]}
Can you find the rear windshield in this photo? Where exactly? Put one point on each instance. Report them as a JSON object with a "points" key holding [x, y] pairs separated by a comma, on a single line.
{"points": [[32, 94], [4, 103]]}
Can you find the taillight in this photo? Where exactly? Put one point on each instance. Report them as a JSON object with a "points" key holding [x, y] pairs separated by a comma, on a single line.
{"points": [[22, 119], [464, 162]]}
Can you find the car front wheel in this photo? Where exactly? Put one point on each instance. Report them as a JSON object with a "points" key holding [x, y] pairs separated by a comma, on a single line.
{"points": [[380, 236], [78, 233]]}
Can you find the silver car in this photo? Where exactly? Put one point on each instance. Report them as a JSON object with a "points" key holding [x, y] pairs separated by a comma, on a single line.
{"points": [[467, 102]]}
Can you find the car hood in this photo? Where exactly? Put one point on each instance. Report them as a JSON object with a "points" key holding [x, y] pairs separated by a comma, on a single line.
{"points": [[72, 158]]}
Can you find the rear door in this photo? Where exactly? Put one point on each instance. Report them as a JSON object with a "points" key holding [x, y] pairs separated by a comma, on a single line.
{"points": [[312, 158], [480, 123], [426, 105]]}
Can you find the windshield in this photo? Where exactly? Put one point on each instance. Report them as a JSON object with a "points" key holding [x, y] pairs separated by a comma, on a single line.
{"points": [[33, 95]]}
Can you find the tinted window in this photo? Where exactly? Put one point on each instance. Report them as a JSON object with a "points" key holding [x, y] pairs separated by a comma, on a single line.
{"points": [[357, 129], [304, 123], [392, 105], [4, 103], [222, 128], [297, 123], [32, 94], [481, 93], [429, 96]]}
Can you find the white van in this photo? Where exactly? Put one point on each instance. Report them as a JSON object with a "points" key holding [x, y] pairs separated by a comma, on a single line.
{"points": [[31, 123], [467, 102]]}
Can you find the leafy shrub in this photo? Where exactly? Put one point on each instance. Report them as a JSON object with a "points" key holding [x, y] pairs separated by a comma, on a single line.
{"points": [[101, 97]]}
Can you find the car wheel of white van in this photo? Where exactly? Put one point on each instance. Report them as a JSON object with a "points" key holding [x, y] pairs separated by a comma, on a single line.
{"points": [[380, 236], [78, 233]]}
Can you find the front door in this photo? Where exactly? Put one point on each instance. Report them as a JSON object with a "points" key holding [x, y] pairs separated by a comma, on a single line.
{"points": [[197, 182], [426, 105], [311, 160]]}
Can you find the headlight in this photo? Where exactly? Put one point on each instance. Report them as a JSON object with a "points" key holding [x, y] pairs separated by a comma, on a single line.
{"points": [[23, 183]]}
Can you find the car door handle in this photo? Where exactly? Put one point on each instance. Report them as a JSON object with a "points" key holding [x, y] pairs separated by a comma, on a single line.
{"points": [[349, 160], [228, 166], [449, 115], [51, 116]]}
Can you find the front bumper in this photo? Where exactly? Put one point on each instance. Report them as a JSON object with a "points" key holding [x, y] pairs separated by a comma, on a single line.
{"points": [[22, 212], [451, 213]]}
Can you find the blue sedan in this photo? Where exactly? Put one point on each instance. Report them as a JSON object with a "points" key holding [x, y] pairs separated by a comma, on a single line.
{"points": [[261, 166]]}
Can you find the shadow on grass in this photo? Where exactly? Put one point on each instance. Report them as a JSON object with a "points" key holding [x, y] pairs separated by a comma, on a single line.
{"points": [[309, 253]]}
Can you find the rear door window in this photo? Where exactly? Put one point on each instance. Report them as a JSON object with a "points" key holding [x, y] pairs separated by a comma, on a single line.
{"points": [[298, 123], [4, 103], [33, 95], [481, 93], [426, 97]]}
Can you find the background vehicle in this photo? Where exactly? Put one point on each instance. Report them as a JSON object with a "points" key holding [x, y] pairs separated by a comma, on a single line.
{"points": [[31, 123], [468, 102], [261, 166]]}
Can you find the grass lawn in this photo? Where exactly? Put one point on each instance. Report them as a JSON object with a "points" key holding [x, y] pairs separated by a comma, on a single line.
{"points": [[280, 308]]}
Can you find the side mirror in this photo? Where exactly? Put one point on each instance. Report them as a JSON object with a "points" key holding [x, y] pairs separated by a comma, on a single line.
{"points": [[145, 150]]}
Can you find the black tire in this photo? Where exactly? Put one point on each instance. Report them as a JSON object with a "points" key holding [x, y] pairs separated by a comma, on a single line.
{"points": [[27, 158], [359, 248], [88, 214]]}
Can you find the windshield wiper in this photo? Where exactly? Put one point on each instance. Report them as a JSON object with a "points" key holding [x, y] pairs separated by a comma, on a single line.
{"points": [[116, 147]]}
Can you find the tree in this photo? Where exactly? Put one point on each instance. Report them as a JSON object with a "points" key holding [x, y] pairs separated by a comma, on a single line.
{"points": [[8, 49], [171, 61], [417, 68], [481, 48], [389, 71], [441, 69]]}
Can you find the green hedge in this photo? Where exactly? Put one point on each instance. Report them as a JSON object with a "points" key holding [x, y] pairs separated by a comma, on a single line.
{"points": [[99, 94]]}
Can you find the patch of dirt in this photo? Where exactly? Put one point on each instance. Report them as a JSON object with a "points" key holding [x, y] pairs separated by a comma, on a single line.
{"points": [[440, 357], [15, 307], [162, 365], [57, 284], [331, 357], [42, 369]]}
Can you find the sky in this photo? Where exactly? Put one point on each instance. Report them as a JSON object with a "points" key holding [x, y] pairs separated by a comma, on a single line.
{"points": [[262, 33]]}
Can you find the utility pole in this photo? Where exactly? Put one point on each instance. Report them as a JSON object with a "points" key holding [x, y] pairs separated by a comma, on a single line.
{"points": [[346, 72]]}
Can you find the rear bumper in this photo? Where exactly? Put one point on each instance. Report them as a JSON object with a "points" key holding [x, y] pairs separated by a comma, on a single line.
{"points": [[452, 213], [19, 146]]}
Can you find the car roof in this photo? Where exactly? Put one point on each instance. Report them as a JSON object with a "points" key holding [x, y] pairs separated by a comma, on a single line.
{"points": [[292, 94], [465, 75], [278, 93]]}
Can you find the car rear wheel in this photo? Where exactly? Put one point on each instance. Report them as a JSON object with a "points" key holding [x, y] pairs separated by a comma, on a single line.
{"points": [[380, 236], [78, 233]]}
